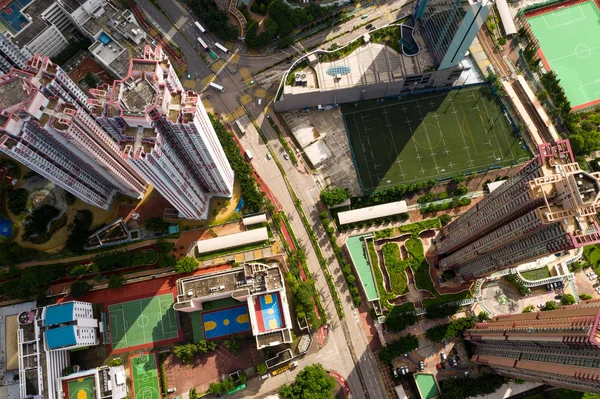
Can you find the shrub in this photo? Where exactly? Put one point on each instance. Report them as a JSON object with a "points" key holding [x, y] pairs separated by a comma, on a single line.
{"points": [[398, 347], [585, 297], [79, 288], [115, 362], [397, 320], [445, 219], [567, 299], [115, 281], [17, 200], [334, 196], [446, 331], [261, 368], [186, 265], [156, 224]]}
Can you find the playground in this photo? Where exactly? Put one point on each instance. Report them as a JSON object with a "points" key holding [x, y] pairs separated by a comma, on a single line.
{"points": [[145, 377], [268, 312], [568, 35], [430, 136], [142, 321], [81, 388], [220, 323], [12, 17]]}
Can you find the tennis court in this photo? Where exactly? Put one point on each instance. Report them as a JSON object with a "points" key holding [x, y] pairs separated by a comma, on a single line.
{"points": [[268, 313], [142, 321], [430, 136], [226, 322], [81, 388], [568, 36], [145, 377]]}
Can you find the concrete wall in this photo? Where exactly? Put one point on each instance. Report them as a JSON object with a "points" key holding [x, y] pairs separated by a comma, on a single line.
{"points": [[314, 98]]}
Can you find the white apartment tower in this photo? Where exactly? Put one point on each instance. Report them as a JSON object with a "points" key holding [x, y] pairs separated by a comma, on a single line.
{"points": [[44, 125], [166, 133]]}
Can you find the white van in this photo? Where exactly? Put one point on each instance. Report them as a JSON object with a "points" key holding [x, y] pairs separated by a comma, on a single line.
{"points": [[249, 156], [265, 376], [259, 101]]}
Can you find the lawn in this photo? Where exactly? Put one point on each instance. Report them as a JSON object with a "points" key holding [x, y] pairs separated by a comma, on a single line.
{"points": [[396, 268], [537, 274], [430, 136], [592, 254]]}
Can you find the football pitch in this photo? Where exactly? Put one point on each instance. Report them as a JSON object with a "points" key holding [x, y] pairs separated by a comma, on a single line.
{"points": [[568, 35], [142, 321], [430, 136], [145, 377]]}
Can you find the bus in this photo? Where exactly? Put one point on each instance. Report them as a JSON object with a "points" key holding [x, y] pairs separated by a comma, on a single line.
{"points": [[204, 46], [248, 156], [240, 126], [216, 87], [200, 27], [222, 48]]}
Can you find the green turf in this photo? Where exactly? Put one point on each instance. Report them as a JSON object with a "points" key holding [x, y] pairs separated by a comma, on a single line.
{"points": [[536, 274], [436, 135], [427, 387], [361, 264], [142, 321], [145, 377], [568, 38], [85, 384]]}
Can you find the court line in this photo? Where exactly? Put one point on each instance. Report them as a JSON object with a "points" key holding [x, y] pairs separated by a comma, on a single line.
{"points": [[462, 134], [566, 23], [573, 54], [504, 132], [364, 154], [437, 168], [395, 148]]}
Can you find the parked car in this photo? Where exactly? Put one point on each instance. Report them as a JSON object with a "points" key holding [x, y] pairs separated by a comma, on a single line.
{"points": [[286, 156], [598, 290], [596, 285], [541, 305], [467, 373], [558, 297], [404, 370], [421, 366], [368, 26], [395, 372], [439, 366], [294, 364], [265, 376], [443, 355], [589, 273]]}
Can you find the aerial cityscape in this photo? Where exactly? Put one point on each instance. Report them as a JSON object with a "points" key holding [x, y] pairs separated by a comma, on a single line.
{"points": [[299, 199]]}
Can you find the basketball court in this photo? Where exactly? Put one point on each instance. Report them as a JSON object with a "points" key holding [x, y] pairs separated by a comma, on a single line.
{"points": [[268, 312], [142, 321], [145, 377], [430, 136], [226, 322], [81, 388], [568, 36]]}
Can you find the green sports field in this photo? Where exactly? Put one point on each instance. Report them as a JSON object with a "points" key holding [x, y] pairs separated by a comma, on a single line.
{"points": [[430, 136], [568, 37], [145, 377], [81, 388], [142, 321]]}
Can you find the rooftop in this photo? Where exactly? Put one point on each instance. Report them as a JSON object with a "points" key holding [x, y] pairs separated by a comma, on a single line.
{"points": [[58, 314], [12, 92], [137, 96], [37, 25], [232, 240], [61, 337]]}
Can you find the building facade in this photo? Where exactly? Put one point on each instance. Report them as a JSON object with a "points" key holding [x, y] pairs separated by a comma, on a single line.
{"points": [[10, 55], [450, 26], [44, 124], [166, 134], [559, 347], [549, 206]]}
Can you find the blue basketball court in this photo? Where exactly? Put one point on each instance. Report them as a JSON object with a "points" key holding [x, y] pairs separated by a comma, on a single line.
{"points": [[268, 312], [226, 322], [13, 16]]}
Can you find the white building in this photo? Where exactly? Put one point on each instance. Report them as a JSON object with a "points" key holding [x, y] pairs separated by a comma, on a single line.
{"points": [[69, 325], [10, 55], [167, 134]]}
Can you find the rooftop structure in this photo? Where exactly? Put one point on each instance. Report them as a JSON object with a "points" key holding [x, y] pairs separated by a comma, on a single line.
{"points": [[167, 135], [45, 337], [232, 241], [559, 347], [10, 55], [44, 124], [258, 285], [371, 71], [548, 207], [100, 383], [255, 219], [372, 212]]}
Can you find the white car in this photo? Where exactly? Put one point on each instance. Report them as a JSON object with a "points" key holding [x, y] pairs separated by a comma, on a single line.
{"points": [[598, 290], [541, 305], [589, 273], [593, 277]]}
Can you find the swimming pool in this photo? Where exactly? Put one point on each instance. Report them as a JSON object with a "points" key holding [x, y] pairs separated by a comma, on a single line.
{"points": [[5, 227]]}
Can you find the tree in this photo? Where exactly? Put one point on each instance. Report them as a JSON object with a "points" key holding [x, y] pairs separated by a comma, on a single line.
{"points": [[458, 178], [528, 309], [156, 224], [233, 345], [567, 299], [483, 316], [79, 230], [312, 382], [17, 200], [398, 347], [37, 222], [79, 288], [445, 331], [461, 189], [261, 368], [542, 95], [185, 352], [445, 219], [460, 388], [117, 361], [550, 305], [334, 196], [115, 281], [397, 320], [585, 297], [186, 265]]}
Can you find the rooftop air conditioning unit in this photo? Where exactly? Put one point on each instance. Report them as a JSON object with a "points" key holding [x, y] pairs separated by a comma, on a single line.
{"points": [[190, 293]]}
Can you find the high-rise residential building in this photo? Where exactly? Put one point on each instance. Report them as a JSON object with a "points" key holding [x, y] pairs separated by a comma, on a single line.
{"points": [[559, 347], [44, 124], [166, 133], [10, 55], [449, 27], [549, 206]]}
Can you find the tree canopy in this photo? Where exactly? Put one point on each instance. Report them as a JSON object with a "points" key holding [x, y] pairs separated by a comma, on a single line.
{"points": [[186, 264], [79, 230], [550, 305], [156, 224], [460, 388], [398, 347], [445, 331], [397, 320], [567, 299], [334, 196], [79, 288], [17, 200], [312, 382]]}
